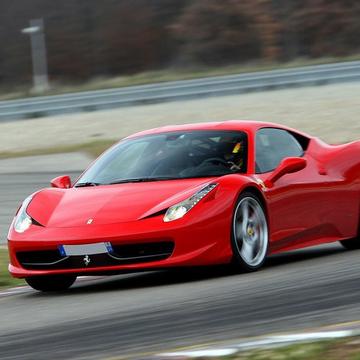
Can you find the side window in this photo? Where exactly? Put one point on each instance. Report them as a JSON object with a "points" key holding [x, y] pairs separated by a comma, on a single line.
{"points": [[272, 146]]}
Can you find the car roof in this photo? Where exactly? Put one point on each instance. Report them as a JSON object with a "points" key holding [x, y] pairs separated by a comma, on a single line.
{"points": [[248, 126]]}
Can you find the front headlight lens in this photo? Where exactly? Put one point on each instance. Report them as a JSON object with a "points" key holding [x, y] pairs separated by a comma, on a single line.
{"points": [[23, 221], [179, 210]]}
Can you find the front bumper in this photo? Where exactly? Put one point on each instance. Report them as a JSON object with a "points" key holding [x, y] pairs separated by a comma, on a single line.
{"points": [[195, 243]]}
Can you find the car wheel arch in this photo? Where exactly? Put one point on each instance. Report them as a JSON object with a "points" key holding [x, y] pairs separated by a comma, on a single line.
{"points": [[258, 193]]}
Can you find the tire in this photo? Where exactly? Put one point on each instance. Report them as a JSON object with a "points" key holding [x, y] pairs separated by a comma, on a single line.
{"points": [[51, 282], [351, 244], [249, 233]]}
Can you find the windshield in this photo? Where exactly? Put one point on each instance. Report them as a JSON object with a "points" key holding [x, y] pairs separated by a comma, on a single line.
{"points": [[172, 155]]}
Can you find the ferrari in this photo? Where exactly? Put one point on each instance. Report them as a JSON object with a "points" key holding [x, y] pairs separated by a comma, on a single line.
{"points": [[185, 196]]}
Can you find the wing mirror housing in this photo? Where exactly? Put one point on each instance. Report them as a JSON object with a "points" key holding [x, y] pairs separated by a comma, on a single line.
{"points": [[61, 182], [287, 166]]}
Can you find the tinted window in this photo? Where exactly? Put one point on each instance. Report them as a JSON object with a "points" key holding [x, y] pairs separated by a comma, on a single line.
{"points": [[272, 146], [171, 155]]}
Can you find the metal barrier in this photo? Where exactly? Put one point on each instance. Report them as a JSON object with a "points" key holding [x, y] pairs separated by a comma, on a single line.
{"points": [[179, 90]]}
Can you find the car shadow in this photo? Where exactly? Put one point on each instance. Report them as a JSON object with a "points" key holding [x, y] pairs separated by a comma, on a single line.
{"points": [[304, 254], [185, 275]]}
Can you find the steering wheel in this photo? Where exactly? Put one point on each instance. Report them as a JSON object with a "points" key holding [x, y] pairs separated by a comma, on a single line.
{"points": [[215, 160]]}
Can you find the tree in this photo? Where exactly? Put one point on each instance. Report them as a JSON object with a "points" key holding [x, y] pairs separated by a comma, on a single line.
{"points": [[213, 32], [326, 27]]}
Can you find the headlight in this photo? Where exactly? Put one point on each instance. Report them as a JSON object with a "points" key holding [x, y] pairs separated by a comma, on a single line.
{"points": [[179, 210], [23, 221]]}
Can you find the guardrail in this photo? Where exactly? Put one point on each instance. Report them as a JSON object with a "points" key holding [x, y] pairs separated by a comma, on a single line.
{"points": [[179, 90]]}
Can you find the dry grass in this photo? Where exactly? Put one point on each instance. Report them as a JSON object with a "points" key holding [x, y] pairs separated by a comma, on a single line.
{"points": [[330, 112], [93, 149]]}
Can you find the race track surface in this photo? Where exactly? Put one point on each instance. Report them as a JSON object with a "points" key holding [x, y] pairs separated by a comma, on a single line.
{"points": [[159, 311]]}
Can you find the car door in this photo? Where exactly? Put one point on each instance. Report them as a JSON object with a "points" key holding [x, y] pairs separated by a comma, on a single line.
{"points": [[295, 200]]}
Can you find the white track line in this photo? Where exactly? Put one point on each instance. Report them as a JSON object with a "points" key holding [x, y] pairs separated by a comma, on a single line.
{"points": [[265, 342], [201, 353], [15, 291], [26, 289]]}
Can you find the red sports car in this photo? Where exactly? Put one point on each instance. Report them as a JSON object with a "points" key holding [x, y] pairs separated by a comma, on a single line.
{"points": [[201, 194]]}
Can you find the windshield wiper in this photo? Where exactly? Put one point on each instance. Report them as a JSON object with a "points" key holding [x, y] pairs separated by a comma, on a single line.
{"points": [[87, 184], [136, 180]]}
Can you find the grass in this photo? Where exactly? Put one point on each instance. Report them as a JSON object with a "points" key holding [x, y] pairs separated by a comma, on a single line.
{"points": [[93, 149], [344, 349], [310, 351], [6, 280], [171, 74]]}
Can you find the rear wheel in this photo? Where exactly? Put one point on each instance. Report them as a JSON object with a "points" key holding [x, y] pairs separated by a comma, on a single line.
{"points": [[250, 236], [51, 282]]}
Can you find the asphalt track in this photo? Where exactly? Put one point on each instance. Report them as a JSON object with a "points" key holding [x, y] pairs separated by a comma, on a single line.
{"points": [[159, 311]]}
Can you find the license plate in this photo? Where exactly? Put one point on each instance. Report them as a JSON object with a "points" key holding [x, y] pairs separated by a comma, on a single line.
{"points": [[85, 249]]}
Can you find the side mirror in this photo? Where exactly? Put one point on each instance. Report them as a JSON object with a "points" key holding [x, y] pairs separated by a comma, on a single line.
{"points": [[61, 182], [287, 166]]}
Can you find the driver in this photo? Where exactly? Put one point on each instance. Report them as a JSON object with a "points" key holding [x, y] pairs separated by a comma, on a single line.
{"points": [[232, 151]]}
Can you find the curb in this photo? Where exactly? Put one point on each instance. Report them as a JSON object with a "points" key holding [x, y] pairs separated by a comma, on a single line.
{"points": [[14, 291], [263, 342]]}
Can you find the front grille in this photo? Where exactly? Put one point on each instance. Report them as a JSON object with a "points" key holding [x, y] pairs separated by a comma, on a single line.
{"points": [[121, 255], [143, 250]]}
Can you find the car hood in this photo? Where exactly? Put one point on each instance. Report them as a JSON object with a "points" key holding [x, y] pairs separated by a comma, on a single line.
{"points": [[109, 204]]}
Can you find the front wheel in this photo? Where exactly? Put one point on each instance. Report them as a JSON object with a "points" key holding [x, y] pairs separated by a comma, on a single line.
{"points": [[51, 282], [250, 235]]}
